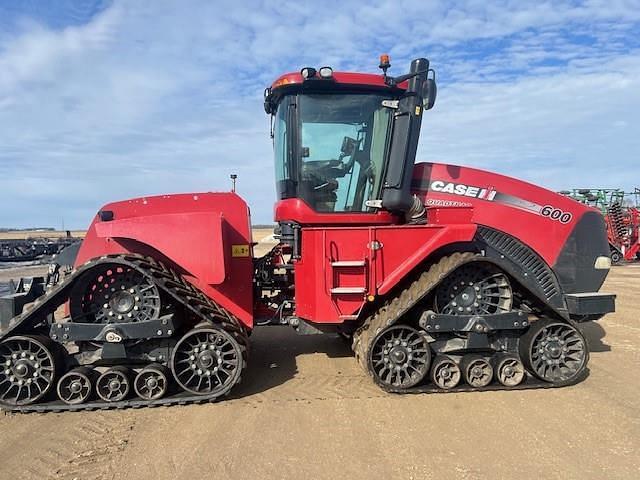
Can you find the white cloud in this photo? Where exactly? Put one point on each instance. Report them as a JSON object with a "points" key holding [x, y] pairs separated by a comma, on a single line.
{"points": [[150, 98]]}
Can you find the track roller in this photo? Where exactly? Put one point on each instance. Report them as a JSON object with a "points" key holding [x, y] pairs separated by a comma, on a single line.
{"points": [[445, 372], [554, 351], [75, 387], [400, 357], [114, 384], [206, 361], [477, 370], [152, 382], [27, 369], [509, 370]]}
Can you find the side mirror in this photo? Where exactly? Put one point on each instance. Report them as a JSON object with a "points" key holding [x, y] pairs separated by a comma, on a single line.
{"points": [[349, 146], [429, 92]]}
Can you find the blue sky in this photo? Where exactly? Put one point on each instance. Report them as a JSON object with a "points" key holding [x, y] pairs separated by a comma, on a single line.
{"points": [[104, 100]]}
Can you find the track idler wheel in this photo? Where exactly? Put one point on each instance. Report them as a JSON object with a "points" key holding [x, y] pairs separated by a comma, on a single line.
{"points": [[207, 361], [477, 371], [445, 372], [509, 370], [400, 357], [152, 383], [75, 387], [553, 351], [114, 384], [27, 369]]}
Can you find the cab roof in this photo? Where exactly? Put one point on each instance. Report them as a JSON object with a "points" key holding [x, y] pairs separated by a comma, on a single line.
{"points": [[361, 80]]}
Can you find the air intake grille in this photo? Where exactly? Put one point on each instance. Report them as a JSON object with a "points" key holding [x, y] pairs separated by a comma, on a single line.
{"points": [[522, 255]]}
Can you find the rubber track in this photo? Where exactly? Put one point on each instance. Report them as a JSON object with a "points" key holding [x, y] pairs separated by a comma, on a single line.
{"points": [[167, 280], [393, 310]]}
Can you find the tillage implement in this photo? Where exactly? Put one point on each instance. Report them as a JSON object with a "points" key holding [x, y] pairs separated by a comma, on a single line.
{"points": [[442, 277]]}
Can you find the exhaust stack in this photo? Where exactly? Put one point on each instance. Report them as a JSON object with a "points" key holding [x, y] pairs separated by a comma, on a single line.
{"points": [[396, 195]]}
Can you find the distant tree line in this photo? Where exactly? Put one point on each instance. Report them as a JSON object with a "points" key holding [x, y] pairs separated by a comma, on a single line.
{"points": [[30, 229]]}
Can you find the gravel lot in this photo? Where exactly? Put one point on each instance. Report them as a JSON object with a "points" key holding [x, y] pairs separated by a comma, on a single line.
{"points": [[306, 410]]}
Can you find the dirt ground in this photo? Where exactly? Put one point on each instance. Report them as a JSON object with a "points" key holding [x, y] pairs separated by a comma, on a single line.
{"points": [[305, 410]]}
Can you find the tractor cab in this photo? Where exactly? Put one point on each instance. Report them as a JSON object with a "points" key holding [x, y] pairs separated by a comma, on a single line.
{"points": [[345, 143]]}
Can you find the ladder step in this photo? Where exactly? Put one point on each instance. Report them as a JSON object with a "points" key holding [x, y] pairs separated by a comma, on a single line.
{"points": [[349, 263], [348, 290]]}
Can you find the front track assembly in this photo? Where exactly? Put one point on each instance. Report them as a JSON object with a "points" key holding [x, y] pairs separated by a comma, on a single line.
{"points": [[471, 341], [138, 335]]}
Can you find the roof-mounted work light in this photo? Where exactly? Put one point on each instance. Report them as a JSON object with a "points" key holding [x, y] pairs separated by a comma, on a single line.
{"points": [[326, 72], [308, 72]]}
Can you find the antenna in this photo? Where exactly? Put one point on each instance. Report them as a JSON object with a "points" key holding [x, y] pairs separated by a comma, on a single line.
{"points": [[233, 182]]}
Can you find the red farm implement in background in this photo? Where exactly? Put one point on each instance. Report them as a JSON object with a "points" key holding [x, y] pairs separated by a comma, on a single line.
{"points": [[622, 216], [443, 277]]}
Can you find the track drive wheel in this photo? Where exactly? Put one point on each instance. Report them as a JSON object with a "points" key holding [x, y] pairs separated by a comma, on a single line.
{"points": [[75, 387], [114, 293], [27, 369], [207, 361], [509, 370], [477, 371], [114, 384], [152, 382], [474, 289], [400, 357], [553, 351], [445, 372]]}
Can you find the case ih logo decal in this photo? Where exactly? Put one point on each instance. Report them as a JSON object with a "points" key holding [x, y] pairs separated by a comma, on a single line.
{"points": [[463, 190], [492, 195]]}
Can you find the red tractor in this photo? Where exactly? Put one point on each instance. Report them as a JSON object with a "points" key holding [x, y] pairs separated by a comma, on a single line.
{"points": [[443, 277]]}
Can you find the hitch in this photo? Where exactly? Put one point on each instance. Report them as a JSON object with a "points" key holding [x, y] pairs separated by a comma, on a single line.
{"points": [[21, 294]]}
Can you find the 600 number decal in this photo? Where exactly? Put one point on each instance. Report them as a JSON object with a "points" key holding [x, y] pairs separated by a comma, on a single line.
{"points": [[556, 214]]}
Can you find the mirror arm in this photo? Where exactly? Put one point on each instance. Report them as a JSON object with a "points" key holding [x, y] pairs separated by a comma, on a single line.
{"points": [[393, 81]]}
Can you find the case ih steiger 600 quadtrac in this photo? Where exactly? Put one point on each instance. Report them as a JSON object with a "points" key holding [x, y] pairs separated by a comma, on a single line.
{"points": [[443, 277]]}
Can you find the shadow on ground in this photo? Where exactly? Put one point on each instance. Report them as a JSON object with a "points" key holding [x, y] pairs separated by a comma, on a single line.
{"points": [[594, 334], [274, 352], [272, 359]]}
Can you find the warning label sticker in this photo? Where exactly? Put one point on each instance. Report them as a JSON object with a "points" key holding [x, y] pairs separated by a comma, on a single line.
{"points": [[240, 250]]}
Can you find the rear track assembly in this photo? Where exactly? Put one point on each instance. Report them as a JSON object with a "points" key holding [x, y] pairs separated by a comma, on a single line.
{"points": [[38, 355]]}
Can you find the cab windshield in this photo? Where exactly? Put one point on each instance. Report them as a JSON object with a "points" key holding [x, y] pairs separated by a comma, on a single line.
{"points": [[330, 149]]}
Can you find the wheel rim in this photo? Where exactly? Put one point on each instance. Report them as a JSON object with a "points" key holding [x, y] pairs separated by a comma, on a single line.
{"points": [[400, 357], [510, 371], [206, 361], [445, 373], [474, 289], [477, 372], [557, 352], [27, 370], [151, 383], [75, 387], [115, 294], [113, 385]]}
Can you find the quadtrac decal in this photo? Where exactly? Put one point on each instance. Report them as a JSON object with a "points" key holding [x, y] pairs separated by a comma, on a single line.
{"points": [[491, 195]]}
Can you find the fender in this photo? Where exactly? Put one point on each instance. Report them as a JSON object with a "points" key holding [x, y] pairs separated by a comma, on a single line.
{"points": [[206, 237]]}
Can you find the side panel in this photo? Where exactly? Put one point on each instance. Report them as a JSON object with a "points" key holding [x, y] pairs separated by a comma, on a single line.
{"points": [[341, 266], [205, 236], [540, 218]]}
